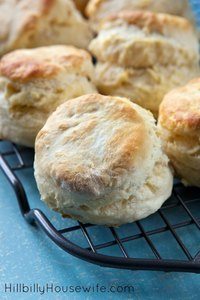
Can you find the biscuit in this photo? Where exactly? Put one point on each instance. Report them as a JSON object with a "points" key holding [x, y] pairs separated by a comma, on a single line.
{"points": [[143, 55], [179, 128], [142, 39], [35, 23], [99, 160], [145, 86], [99, 9], [33, 82]]}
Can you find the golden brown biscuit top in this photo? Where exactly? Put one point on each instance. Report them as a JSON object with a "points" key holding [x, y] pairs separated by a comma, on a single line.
{"points": [[44, 62], [34, 23], [180, 109], [178, 7], [94, 138], [81, 4], [152, 21], [20, 15], [93, 6]]}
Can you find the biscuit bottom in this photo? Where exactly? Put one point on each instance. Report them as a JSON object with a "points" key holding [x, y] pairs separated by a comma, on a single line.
{"points": [[148, 199]]}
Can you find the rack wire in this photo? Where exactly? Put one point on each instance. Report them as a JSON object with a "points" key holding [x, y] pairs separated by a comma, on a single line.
{"points": [[184, 201]]}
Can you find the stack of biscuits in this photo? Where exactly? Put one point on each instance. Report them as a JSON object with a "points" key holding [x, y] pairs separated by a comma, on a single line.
{"points": [[143, 55], [83, 82]]}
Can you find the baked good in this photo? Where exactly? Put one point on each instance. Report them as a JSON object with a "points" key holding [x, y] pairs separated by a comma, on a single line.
{"points": [[81, 5], [33, 82], [179, 127], [143, 55], [145, 86], [142, 39], [97, 10], [99, 160], [35, 23]]}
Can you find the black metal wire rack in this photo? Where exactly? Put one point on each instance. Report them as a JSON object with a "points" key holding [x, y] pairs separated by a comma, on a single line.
{"points": [[183, 201]]}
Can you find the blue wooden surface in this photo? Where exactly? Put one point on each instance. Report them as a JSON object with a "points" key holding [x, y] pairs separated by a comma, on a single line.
{"points": [[196, 8], [28, 256]]}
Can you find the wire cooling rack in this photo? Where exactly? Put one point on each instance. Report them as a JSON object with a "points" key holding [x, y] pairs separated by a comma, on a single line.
{"points": [[169, 240]]}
